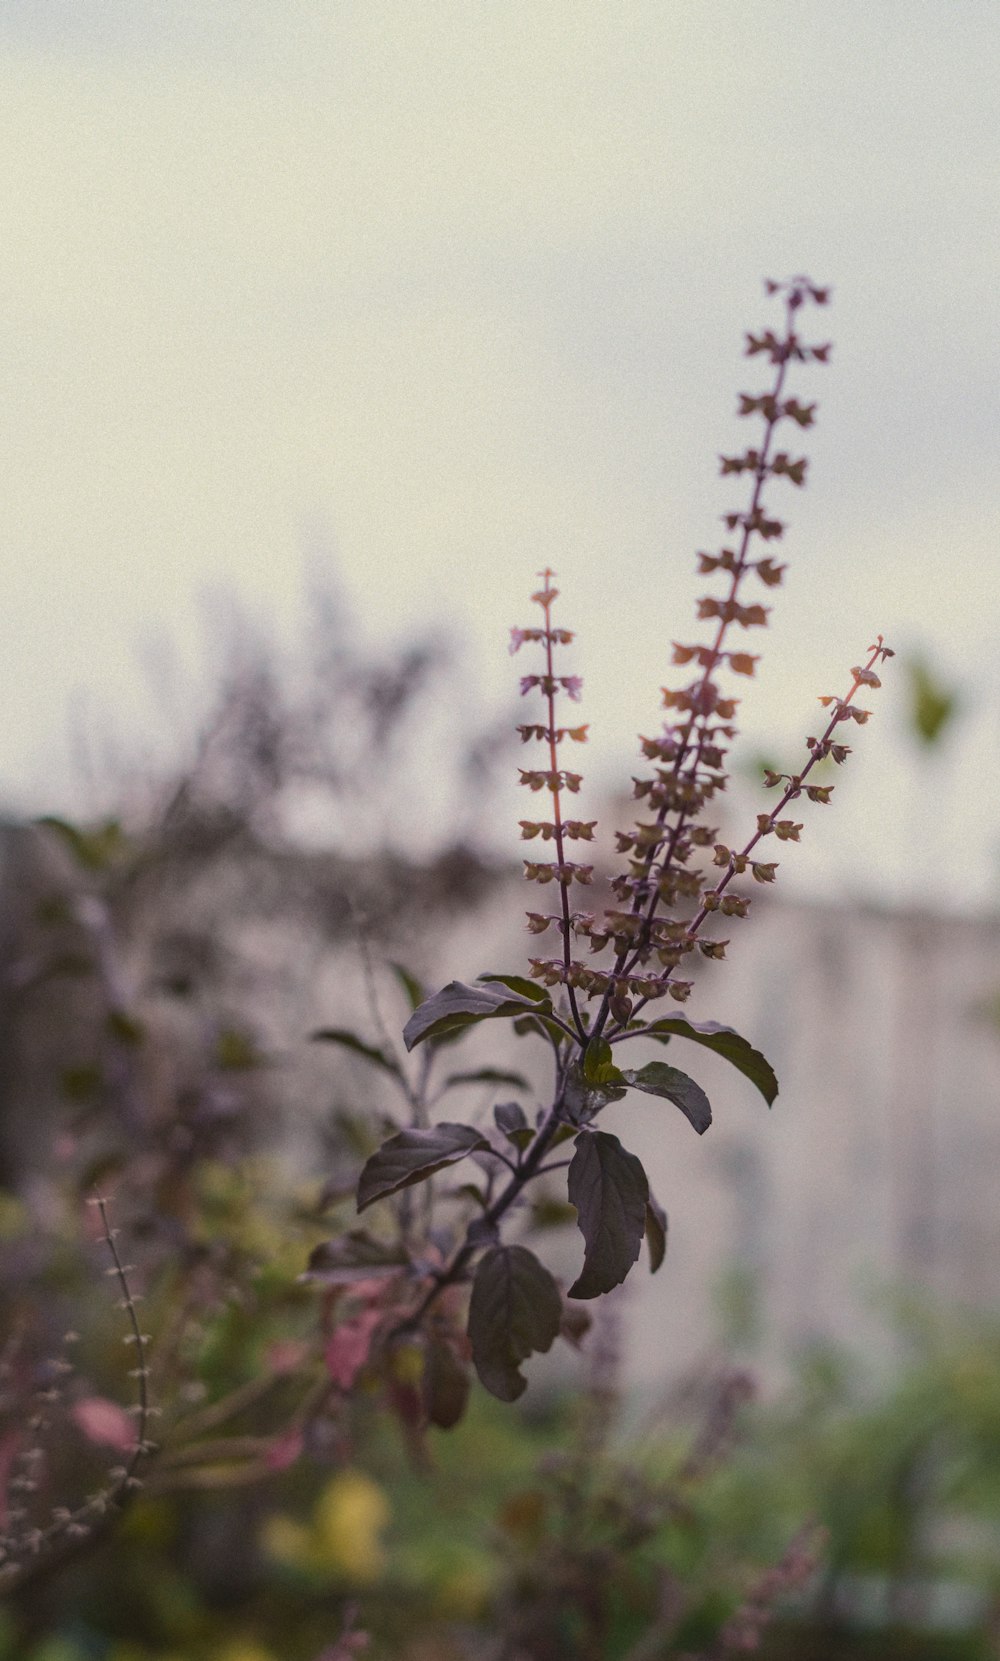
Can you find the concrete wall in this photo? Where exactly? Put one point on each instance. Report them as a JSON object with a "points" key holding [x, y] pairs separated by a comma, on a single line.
{"points": [[877, 1167]]}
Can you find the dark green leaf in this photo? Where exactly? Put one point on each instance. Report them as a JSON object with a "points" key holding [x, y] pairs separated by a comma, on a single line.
{"points": [[515, 1309], [445, 1385], [125, 1028], [458, 1005], [350, 1041], [81, 1084], [538, 1024], [581, 1101], [548, 1212], [354, 1256], [657, 1079], [488, 1075], [725, 1041], [472, 1191], [656, 1233], [520, 984], [933, 705], [236, 1052], [598, 1061], [97, 848], [412, 1156], [608, 1186]]}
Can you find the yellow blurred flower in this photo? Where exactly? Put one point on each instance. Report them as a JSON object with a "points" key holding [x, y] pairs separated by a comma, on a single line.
{"points": [[344, 1537], [350, 1516], [288, 1542]]}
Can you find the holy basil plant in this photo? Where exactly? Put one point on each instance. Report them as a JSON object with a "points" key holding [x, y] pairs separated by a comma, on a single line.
{"points": [[434, 1281]]}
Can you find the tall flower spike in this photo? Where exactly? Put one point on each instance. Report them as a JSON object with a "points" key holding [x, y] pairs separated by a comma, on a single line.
{"points": [[555, 779], [660, 879]]}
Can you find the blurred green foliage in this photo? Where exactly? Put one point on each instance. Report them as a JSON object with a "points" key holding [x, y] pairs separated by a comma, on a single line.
{"points": [[512, 1521], [932, 705]]}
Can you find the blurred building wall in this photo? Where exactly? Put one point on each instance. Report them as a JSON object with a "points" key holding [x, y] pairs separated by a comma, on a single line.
{"points": [[878, 1167]]}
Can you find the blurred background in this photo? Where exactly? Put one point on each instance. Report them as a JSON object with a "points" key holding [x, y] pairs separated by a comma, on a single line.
{"points": [[327, 328]]}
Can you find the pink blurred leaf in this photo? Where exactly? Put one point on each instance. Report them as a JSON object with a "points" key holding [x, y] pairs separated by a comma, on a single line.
{"points": [[284, 1450], [349, 1345], [286, 1356], [104, 1422]]}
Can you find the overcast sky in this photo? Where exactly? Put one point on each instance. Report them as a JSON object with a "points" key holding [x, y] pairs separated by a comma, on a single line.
{"points": [[451, 291]]}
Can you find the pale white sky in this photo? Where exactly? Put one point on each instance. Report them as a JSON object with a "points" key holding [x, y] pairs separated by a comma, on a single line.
{"points": [[459, 289]]}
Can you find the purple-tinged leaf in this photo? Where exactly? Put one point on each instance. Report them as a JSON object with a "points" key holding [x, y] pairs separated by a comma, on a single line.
{"points": [[412, 1156], [457, 1006], [725, 1041], [657, 1079], [608, 1186], [510, 1118], [350, 1041], [515, 1310]]}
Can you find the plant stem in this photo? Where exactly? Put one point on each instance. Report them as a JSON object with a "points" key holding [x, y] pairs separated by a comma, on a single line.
{"points": [[528, 1169], [550, 699], [628, 957]]}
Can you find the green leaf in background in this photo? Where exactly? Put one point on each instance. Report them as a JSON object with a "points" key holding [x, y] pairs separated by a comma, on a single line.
{"points": [[412, 1156], [488, 1075], [353, 1256], [656, 1233], [515, 1310], [609, 1188], [410, 984], [350, 1041], [458, 1005], [445, 1385], [725, 1041], [236, 1051], [932, 705], [537, 1024], [96, 848], [657, 1079]]}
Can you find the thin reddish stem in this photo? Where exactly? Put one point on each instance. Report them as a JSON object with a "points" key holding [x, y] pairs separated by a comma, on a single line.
{"points": [[565, 925], [627, 958], [794, 789]]}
